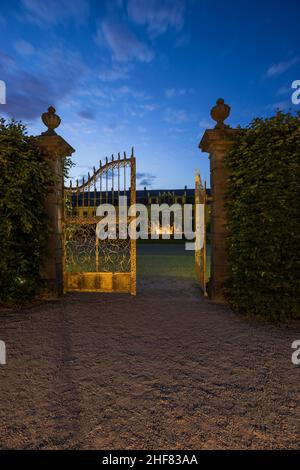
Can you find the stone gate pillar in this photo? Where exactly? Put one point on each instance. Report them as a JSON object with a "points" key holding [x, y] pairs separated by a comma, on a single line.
{"points": [[217, 142], [54, 149]]}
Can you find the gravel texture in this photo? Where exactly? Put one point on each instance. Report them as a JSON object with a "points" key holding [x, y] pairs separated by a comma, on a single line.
{"points": [[165, 370]]}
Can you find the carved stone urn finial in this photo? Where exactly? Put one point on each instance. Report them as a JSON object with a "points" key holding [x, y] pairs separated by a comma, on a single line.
{"points": [[219, 113], [51, 120]]}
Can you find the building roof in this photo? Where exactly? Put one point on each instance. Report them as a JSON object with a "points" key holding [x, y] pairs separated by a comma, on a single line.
{"points": [[142, 195]]}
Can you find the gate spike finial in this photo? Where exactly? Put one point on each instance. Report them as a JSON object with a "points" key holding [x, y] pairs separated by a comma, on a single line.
{"points": [[112, 157], [89, 175], [100, 163], [124, 155], [77, 182], [70, 183], [119, 156], [94, 169], [106, 160], [132, 151]]}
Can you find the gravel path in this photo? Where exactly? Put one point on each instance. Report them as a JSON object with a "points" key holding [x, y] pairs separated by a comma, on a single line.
{"points": [[165, 370]]}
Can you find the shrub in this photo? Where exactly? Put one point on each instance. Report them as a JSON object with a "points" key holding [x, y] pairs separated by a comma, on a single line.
{"points": [[263, 209], [24, 179]]}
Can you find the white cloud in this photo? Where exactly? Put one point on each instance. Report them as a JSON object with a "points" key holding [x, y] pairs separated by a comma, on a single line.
{"points": [[7, 61], [112, 128], [122, 42], [281, 67], [176, 116], [170, 92], [126, 90], [205, 123], [139, 110], [284, 90], [175, 92], [57, 74], [114, 72], [157, 15], [24, 47], [56, 11]]}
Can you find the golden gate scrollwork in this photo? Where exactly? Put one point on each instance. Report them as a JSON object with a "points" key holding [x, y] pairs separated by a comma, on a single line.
{"points": [[91, 264], [200, 254]]}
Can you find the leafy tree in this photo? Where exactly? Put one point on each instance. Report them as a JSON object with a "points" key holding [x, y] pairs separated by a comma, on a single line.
{"points": [[263, 209], [24, 181]]}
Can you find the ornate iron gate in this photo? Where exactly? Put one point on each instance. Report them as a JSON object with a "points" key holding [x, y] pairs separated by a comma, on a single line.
{"points": [[91, 264], [200, 254]]}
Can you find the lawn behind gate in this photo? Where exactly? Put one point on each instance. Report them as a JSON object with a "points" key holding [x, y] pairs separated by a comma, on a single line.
{"points": [[167, 258]]}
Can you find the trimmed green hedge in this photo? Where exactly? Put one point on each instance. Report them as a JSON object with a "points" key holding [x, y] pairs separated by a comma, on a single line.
{"points": [[24, 179], [264, 208]]}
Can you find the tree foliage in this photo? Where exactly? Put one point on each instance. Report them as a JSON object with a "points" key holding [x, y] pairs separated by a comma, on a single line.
{"points": [[24, 179], [263, 209]]}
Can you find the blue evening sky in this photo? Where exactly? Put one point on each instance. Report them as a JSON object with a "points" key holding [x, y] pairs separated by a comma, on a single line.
{"points": [[146, 73]]}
